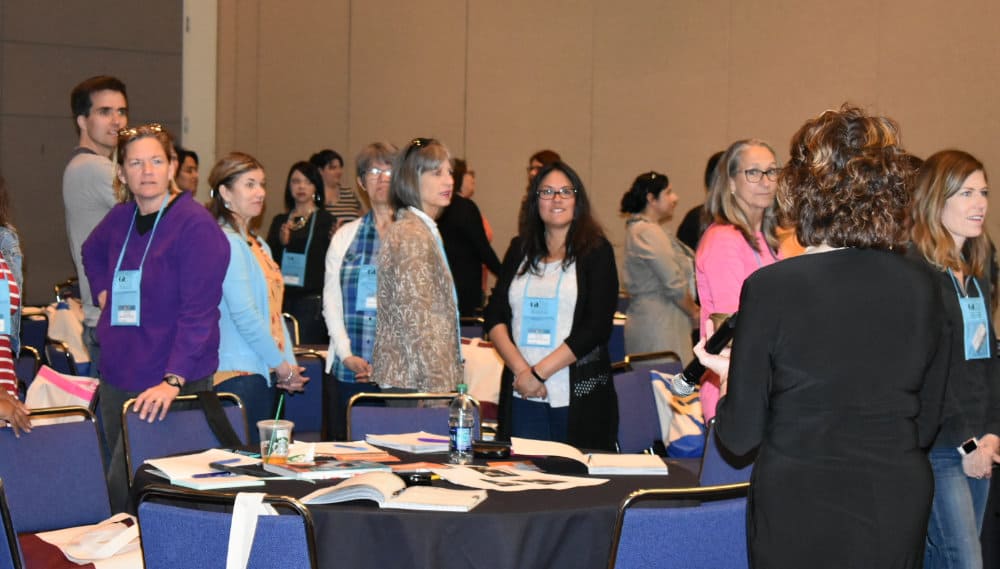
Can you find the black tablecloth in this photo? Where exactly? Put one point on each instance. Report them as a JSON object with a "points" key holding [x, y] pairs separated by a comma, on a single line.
{"points": [[569, 529]]}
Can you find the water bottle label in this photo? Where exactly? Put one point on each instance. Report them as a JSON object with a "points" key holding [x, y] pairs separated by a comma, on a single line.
{"points": [[461, 439]]}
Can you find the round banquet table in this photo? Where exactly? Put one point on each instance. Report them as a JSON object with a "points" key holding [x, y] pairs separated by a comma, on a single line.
{"points": [[548, 529]]}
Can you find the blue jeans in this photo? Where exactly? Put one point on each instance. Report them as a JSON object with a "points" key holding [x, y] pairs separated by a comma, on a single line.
{"points": [[956, 514], [536, 420], [259, 400]]}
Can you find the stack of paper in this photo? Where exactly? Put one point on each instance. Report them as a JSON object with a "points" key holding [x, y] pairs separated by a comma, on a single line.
{"points": [[193, 470], [597, 463], [389, 491], [418, 443]]}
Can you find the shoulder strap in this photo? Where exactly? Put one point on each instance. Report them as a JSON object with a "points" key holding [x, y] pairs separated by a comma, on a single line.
{"points": [[217, 419]]}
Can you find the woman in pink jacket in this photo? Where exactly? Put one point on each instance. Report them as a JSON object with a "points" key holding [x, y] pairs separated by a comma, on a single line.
{"points": [[741, 239]]}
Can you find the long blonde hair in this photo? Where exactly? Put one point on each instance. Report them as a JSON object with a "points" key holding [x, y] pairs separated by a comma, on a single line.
{"points": [[940, 177]]}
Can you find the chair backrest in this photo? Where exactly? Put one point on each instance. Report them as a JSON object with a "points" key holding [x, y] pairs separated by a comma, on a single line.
{"points": [[59, 357], [638, 421], [34, 330], [305, 409], [472, 327], [719, 466], [651, 358], [184, 429], [10, 549], [54, 475], [188, 528], [27, 366], [389, 420], [684, 528], [292, 323]]}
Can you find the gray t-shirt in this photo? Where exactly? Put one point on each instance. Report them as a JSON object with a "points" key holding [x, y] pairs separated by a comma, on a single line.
{"points": [[88, 196]]}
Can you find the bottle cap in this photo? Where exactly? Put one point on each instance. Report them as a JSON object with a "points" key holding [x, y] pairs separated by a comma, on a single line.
{"points": [[463, 388]]}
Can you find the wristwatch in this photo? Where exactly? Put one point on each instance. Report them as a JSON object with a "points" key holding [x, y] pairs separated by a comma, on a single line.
{"points": [[173, 380], [968, 446]]}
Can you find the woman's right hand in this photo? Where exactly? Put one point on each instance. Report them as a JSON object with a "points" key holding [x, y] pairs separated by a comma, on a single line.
{"points": [[979, 463], [285, 233], [528, 385], [362, 369], [15, 413], [290, 377]]}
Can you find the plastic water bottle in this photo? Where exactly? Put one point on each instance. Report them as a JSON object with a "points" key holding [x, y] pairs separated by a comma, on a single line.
{"points": [[461, 419]]}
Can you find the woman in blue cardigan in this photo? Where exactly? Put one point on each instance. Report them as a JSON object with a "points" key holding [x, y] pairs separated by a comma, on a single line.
{"points": [[253, 340]]}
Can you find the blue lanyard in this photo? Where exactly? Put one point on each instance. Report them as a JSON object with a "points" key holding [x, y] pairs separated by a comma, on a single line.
{"points": [[159, 214], [431, 225], [309, 238]]}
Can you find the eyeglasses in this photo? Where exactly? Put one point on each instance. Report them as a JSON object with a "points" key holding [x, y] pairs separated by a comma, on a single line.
{"points": [[550, 193], [141, 130], [755, 175], [376, 172], [417, 143]]}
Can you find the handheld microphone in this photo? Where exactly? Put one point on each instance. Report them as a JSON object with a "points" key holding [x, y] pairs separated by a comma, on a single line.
{"points": [[683, 383]]}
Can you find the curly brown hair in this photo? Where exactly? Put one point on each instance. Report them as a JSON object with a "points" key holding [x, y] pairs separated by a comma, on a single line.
{"points": [[846, 182]]}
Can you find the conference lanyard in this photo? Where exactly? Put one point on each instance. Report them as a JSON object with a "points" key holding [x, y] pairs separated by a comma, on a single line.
{"points": [[293, 265], [540, 316], [126, 286], [975, 321]]}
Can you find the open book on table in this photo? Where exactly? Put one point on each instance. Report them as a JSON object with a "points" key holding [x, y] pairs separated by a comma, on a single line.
{"points": [[389, 491], [325, 469], [194, 470], [596, 463]]}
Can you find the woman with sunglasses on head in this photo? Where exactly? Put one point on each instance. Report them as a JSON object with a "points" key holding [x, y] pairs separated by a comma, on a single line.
{"points": [[299, 240], [253, 339], [417, 345], [741, 238], [659, 272], [351, 290], [947, 232], [550, 319], [155, 265]]}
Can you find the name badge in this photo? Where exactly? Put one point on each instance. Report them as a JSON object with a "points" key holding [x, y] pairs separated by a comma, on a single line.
{"points": [[293, 268], [539, 318], [367, 298], [976, 324], [125, 293], [5, 307]]}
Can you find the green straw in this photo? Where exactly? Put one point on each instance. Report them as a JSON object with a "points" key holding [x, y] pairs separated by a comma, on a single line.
{"points": [[274, 429]]}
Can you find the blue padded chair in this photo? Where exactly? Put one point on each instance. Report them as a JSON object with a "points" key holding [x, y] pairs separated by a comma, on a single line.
{"points": [[10, 549], [59, 357], [26, 367], [305, 409], [184, 429], [638, 421], [54, 475], [188, 528], [472, 327], [689, 528], [292, 323], [389, 420], [719, 466], [34, 330]]}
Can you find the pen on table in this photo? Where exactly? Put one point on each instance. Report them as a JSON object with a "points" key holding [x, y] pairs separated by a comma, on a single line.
{"points": [[212, 474], [432, 440], [228, 461], [352, 447]]}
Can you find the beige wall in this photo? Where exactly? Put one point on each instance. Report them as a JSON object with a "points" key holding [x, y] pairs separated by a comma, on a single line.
{"points": [[617, 88], [47, 47]]}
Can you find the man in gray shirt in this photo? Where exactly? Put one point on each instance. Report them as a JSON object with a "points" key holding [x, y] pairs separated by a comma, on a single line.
{"points": [[100, 110]]}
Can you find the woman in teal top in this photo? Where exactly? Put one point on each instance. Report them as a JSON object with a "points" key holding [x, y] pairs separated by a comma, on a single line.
{"points": [[253, 340]]}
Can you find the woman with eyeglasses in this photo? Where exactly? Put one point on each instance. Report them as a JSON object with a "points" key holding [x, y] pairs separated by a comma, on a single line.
{"points": [[298, 240], [350, 292], [741, 239], [948, 235], [155, 264], [253, 339], [659, 272], [417, 343], [550, 319]]}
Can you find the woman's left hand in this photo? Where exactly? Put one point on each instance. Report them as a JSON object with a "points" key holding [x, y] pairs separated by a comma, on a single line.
{"points": [[293, 380], [155, 401], [979, 463], [528, 385], [719, 363]]}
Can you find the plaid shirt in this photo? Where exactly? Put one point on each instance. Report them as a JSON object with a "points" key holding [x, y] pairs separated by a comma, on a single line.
{"points": [[360, 325]]}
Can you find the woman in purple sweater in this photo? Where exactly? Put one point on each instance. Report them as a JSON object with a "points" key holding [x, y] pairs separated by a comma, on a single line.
{"points": [[156, 264]]}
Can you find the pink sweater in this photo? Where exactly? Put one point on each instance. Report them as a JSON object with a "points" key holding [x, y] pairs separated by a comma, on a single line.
{"points": [[724, 260]]}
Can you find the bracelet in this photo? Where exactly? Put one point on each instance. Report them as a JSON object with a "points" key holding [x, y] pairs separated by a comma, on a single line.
{"points": [[535, 373], [290, 374]]}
